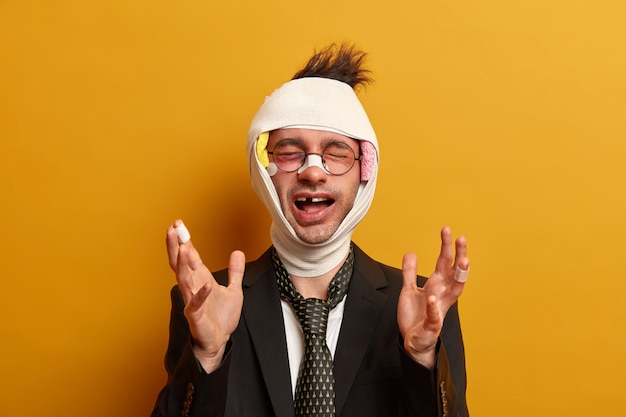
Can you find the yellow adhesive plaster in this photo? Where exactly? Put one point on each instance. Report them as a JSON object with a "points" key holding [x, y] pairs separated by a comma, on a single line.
{"points": [[261, 149]]}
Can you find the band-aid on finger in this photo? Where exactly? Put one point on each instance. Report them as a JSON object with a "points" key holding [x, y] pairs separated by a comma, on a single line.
{"points": [[183, 233], [461, 274]]}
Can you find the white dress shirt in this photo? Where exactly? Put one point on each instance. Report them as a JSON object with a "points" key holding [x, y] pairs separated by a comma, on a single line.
{"points": [[295, 336]]}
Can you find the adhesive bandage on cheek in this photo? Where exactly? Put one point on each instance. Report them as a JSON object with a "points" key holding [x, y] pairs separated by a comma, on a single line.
{"points": [[272, 169], [183, 233], [460, 275], [312, 160]]}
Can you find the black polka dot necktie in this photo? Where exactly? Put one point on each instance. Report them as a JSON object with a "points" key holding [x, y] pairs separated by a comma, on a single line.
{"points": [[315, 386]]}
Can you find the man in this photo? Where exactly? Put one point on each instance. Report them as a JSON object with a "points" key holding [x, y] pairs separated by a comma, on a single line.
{"points": [[324, 330]]}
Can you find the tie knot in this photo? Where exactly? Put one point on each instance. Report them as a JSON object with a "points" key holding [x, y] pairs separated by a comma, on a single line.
{"points": [[313, 315]]}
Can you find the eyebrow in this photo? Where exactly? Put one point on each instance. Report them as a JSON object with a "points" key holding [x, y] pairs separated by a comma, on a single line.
{"points": [[290, 141], [324, 143]]}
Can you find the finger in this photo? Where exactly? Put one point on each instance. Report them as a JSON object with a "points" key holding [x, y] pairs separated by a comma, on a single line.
{"points": [[171, 242], [433, 318], [409, 270], [188, 266], [191, 256], [236, 268], [460, 275], [460, 260], [176, 235], [445, 255], [197, 300], [181, 230], [184, 274]]}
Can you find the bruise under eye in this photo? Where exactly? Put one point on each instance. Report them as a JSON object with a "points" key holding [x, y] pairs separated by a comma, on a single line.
{"points": [[282, 156]]}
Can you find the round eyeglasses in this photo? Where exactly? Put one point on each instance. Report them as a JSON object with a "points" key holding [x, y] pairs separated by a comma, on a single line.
{"points": [[337, 157]]}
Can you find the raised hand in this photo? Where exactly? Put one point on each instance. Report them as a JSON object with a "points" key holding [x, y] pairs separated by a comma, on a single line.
{"points": [[421, 310], [212, 310]]}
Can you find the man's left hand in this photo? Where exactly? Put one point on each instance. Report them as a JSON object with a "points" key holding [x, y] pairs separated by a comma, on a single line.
{"points": [[421, 310]]}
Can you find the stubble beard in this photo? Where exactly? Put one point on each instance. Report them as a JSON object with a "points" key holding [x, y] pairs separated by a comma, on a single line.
{"points": [[319, 233]]}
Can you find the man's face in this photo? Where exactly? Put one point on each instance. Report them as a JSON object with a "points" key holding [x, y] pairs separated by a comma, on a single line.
{"points": [[314, 202]]}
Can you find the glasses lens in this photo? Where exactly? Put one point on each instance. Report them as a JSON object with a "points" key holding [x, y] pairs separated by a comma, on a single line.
{"points": [[288, 156], [338, 158]]}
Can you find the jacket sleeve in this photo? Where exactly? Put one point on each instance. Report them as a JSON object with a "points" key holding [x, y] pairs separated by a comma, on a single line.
{"points": [[189, 390], [451, 375], [440, 392]]}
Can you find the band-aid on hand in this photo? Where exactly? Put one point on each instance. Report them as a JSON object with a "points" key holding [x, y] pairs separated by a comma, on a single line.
{"points": [[183, 233], [461, 274]]}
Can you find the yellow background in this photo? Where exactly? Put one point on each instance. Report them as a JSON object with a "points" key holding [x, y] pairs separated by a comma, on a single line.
{"points": [[502, 119]]}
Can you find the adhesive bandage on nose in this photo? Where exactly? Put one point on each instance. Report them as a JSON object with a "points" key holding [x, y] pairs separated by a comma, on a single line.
{"points": [[460, 275], [312, 160], [183, 233]]}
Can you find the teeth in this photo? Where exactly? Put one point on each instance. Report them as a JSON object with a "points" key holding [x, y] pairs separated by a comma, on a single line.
{"points": [[313, 200]]}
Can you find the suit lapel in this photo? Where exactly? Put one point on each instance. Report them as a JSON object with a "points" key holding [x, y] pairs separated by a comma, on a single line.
{"points": [[364, 306], [263, 317], [264, 320]]}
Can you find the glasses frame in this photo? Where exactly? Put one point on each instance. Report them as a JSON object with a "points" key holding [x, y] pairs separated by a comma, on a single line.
{"points": [[306, 155]]}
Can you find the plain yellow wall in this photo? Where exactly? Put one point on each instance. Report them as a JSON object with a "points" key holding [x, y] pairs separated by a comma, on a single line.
{"points": [[502, 119]]}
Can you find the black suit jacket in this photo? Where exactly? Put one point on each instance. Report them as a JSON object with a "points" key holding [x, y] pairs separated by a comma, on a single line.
{"points": [[373, 375]]}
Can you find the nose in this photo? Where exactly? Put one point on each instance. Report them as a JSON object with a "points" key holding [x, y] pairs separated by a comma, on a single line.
{"points": [[312, 160], [313, 170]]}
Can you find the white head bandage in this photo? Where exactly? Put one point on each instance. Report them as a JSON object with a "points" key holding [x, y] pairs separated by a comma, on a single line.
{"points": [[318, 104]]}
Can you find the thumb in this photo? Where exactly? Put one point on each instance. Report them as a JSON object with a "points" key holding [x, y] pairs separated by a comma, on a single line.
{"points": [[433, 318], [236, 268]]}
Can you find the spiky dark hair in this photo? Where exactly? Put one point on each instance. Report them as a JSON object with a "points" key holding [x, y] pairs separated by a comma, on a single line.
{"points": [[342, 62]]}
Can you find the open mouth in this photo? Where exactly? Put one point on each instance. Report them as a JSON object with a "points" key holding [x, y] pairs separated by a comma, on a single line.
{"points": [[313, 204]]}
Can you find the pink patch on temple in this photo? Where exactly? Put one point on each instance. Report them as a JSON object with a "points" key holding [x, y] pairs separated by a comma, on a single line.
{"points": [[368, 159]]}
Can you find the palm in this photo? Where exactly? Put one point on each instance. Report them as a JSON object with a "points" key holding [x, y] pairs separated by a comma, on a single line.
{"points": [[212, 310], [421, 310]]}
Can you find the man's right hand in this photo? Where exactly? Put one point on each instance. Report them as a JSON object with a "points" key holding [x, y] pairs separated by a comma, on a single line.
{"points": [[212, 310]]}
